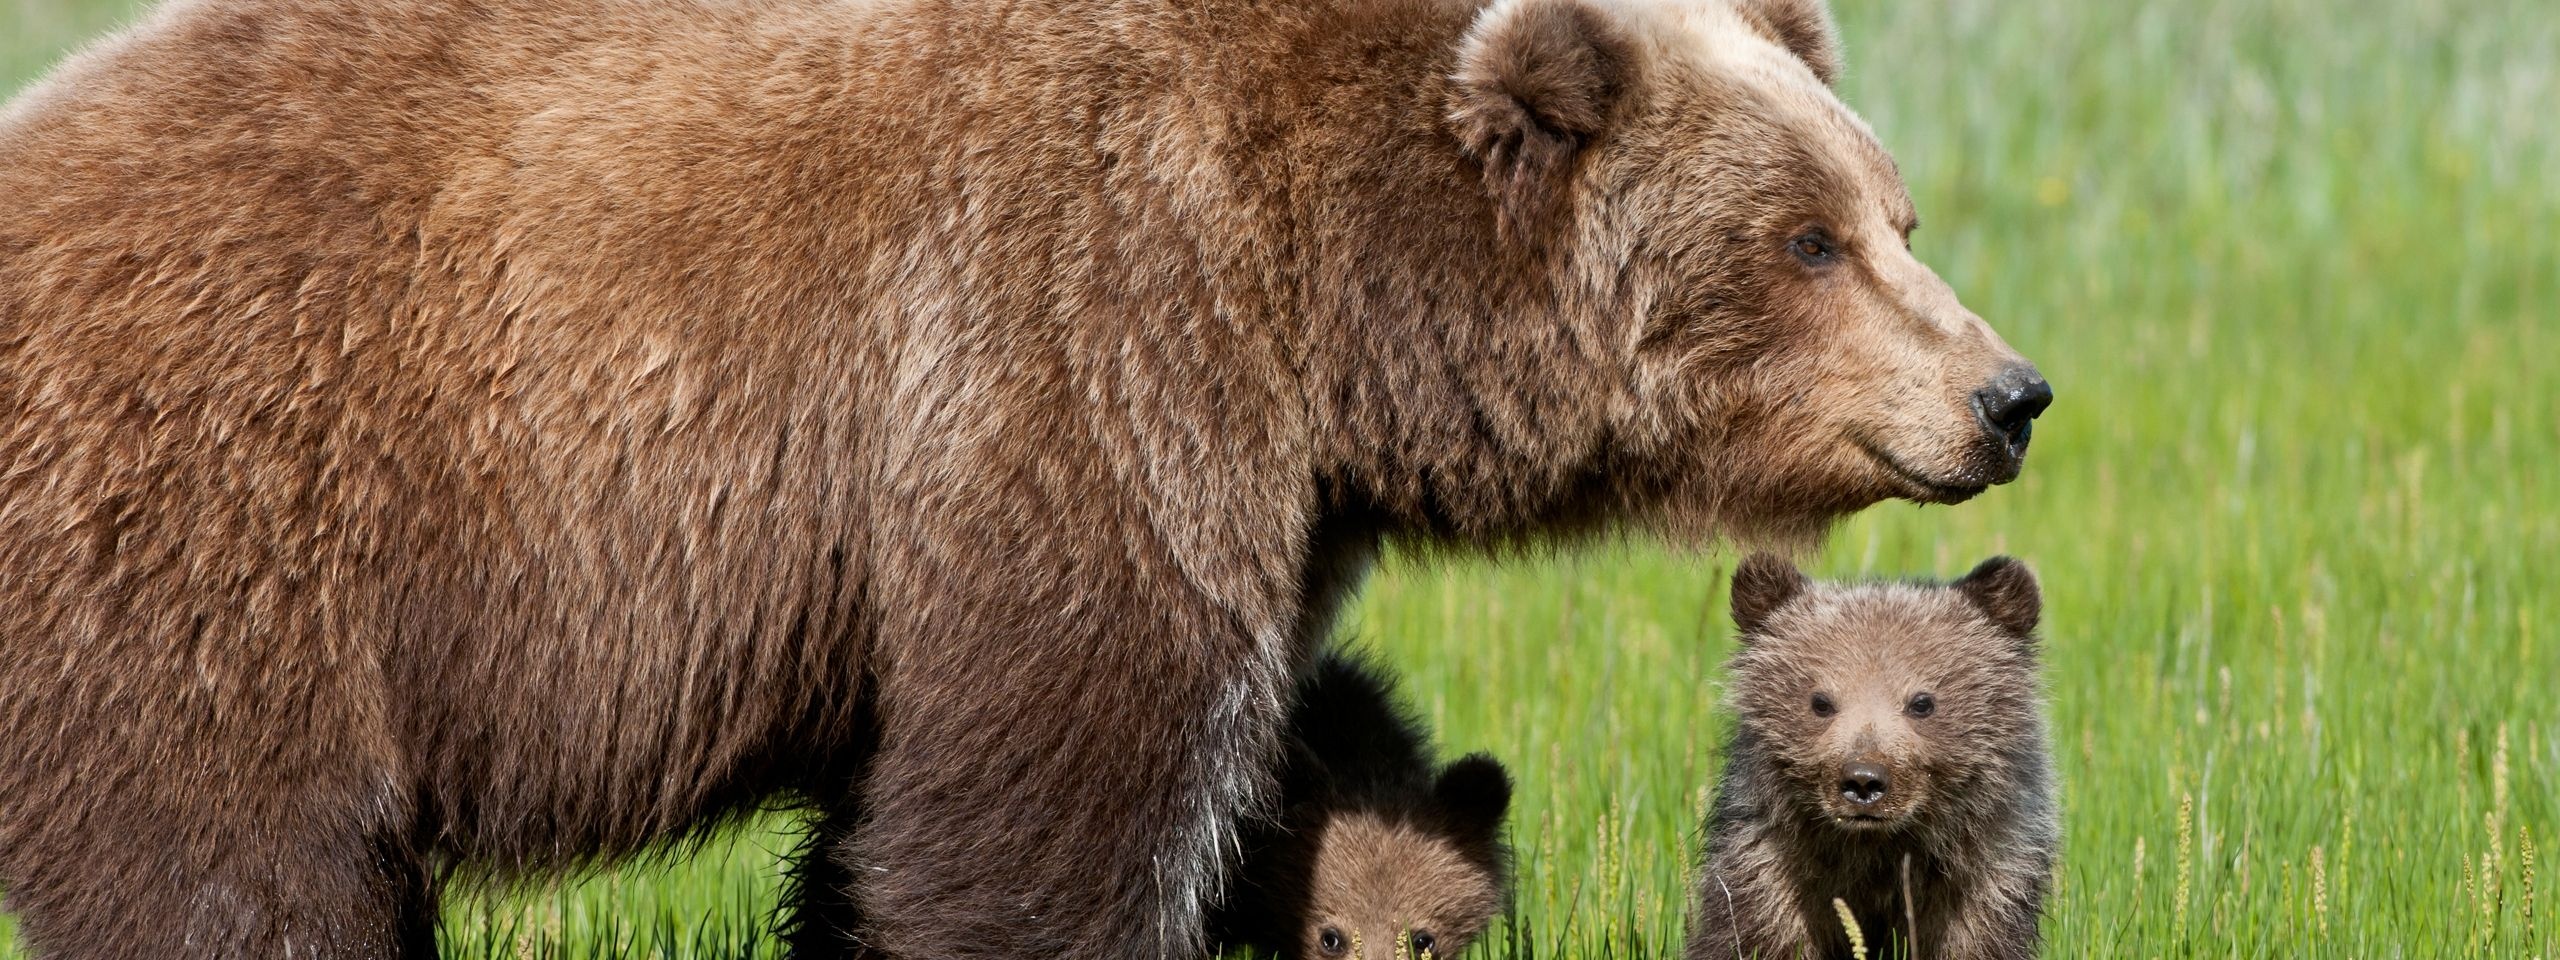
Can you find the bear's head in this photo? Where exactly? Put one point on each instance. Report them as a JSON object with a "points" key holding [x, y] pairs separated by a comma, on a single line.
{"points": [[1878, 704], [1431, 873], [1787, 359]]}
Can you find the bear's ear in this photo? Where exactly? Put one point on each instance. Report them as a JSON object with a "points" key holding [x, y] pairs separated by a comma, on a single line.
{"points": [[2007, 593], [1476, 793], [1536, 82], [1763, 583], [1801, 26]]}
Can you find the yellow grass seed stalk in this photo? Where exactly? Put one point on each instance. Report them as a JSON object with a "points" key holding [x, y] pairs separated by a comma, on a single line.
{"points": [[2470, 889], [1849, 922], [2488, 900], [2498, 778], [2524, 852], [2320, 891], [1547, 834], [2186, 857], [1606, 842], [2494, 860]]}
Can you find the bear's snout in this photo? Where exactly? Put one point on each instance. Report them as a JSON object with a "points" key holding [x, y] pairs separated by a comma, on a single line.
{"points": [[1863, 783], [2008, 406]]}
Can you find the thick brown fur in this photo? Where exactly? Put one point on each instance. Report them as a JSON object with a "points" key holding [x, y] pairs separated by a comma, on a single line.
{"points": [[506, 435], [1889, 752], [1374, 841]]}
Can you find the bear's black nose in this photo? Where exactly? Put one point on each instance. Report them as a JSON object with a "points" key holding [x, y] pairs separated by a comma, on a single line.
{"points": [[1862, 783], [2010, 403]]}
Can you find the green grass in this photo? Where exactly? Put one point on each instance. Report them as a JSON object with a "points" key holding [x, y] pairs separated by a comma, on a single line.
{"points": [[2294, 272]]}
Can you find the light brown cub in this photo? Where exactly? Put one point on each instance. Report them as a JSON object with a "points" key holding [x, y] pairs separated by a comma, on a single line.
{"points": [[1888, 752]]}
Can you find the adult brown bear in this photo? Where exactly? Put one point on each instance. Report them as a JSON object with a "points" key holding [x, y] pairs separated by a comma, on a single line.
{"points": [[498, 435]]}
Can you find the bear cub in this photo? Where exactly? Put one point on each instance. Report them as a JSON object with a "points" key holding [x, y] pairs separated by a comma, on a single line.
{"points": [[1888, 752], [1375, 847]]}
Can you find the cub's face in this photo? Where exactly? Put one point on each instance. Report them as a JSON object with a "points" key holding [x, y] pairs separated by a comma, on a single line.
{"points": [[1876, 702], [1428, 877], [1793, 360], [1376, 881]]}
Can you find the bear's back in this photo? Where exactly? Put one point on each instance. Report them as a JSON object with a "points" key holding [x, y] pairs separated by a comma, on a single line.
{"points": [[409, 341]]}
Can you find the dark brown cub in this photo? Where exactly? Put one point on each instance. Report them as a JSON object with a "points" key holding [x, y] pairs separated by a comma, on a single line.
{"points": [[1888, 753], [1375, 842]]}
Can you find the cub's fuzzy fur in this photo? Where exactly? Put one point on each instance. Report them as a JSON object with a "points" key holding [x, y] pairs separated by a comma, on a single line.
{"points": [[1374, 842], [500, 436], [1889, 751]]}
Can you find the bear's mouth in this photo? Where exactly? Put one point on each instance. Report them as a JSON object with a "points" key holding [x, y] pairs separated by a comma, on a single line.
{"points": [[1863, 821], [1918, 486]]}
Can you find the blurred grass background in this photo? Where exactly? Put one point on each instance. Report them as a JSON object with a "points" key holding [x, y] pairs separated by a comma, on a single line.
{"points": [[2293, 267]]}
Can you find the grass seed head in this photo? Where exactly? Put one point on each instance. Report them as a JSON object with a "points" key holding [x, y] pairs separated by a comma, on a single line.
{"points": [[2320, 890], [2524, 852], [2498, 776], [1849, 924], [2186, 858]]}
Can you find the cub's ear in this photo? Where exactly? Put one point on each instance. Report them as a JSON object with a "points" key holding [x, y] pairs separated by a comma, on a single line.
{"points": [[1476, 793], [1801, 26], [2007, 593], [1763, 583], [1536, 82]]}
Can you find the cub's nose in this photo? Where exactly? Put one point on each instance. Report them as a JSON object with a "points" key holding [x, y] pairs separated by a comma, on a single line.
{"points": [[2009, 404], [1862, 783]]}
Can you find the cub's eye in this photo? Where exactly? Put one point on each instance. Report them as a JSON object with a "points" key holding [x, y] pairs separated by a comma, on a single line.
{"points": [[1814, 249], [1332, 942], [1922, 705], [1822, 706], [1422, 942]]}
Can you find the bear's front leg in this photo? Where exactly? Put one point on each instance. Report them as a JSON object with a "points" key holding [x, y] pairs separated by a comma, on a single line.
{"points": [[1745, 905], [217, 889], [1995, 916], [1067, 741]]}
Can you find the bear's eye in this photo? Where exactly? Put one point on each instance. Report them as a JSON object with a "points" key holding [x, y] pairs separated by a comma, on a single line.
{"points": [[1822, 706], [1922, 705], [1421, 941], [1331, 942], [1815, 249]]}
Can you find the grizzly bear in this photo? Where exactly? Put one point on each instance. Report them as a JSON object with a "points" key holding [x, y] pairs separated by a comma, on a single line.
{"points": [[488, 438], [1888, 753], [1374, 849]]}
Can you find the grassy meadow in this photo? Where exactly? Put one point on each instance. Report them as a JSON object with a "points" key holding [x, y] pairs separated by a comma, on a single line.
{"points": [[2294, 270]]}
